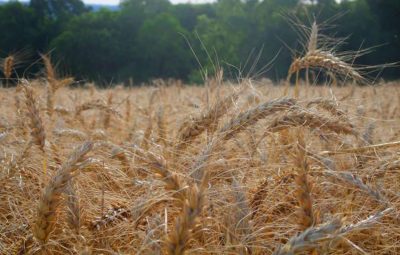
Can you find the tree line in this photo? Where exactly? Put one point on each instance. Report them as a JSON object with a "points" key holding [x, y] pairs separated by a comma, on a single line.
{"points": [[147, 39]]}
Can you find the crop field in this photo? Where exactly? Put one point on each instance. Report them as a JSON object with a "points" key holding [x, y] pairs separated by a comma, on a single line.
{"points": [[244, 168]]}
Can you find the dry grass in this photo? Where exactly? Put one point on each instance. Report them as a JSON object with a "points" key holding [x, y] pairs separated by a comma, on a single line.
{"points": [[221, 169], [276, 176]]}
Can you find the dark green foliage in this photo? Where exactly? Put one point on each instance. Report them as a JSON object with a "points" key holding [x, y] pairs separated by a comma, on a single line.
{"points": [[19, 27], [148, 39]]}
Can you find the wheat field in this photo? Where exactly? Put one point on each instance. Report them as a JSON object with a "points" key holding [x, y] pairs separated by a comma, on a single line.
{"points": [[226, 168]]}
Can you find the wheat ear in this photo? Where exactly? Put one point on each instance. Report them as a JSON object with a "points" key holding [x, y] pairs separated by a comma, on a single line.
{"points": [[107, 116], [299, 117], [193, 128], [162, 128], [250, 117], [328, 105], [8, 65], [96, 104], [37, 129], [325, 60], [74, 208], [312, 46], [50, 72], [310, 238], [258, 198], [50, 200], [303, 191], [159, 166], [177, 242]]}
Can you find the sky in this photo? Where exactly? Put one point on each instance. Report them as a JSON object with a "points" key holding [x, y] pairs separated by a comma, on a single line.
{"points": [[116, 2], [108, 2]]}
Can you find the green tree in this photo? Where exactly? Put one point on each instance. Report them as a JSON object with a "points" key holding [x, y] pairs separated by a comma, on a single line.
{"points": [[164, 53], [91, 46], [187, 13], [56, 9], [19, 27]]}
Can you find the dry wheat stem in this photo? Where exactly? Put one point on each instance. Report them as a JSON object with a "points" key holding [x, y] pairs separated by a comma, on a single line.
{"points": [[242, 214], [369, 148], [18, 159]]}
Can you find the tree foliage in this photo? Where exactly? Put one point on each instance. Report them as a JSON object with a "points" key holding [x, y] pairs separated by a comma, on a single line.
{"points": [[146, 39]]}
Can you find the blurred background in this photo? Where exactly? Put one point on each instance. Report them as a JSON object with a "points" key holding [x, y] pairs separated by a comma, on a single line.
{"points": [[133, 41]]}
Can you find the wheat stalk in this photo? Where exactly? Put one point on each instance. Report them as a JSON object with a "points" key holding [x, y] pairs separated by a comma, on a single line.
{"points": [[368, 148]]}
